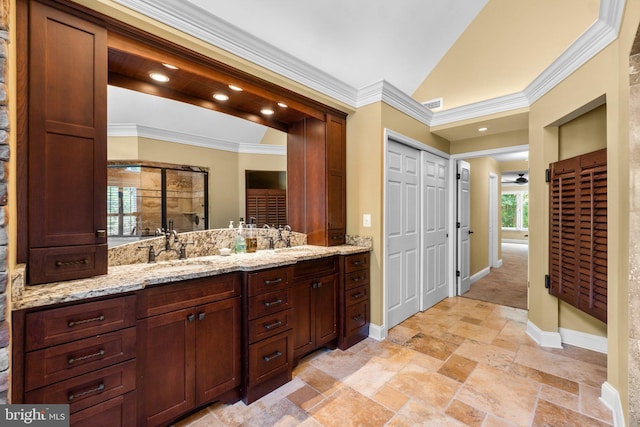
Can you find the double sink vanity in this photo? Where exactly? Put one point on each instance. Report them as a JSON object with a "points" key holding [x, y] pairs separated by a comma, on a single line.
{"points": [[149, 343]]}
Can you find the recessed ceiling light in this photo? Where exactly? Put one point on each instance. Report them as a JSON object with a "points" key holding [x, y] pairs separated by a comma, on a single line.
{"points": [[267, 111], [282, 104], [159, 77], [236, 88], [483, 129], [169, 66], [220, 97]]}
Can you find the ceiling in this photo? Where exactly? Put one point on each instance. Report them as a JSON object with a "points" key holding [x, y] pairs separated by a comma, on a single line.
{"points": [[354, 45], [359, 42]]}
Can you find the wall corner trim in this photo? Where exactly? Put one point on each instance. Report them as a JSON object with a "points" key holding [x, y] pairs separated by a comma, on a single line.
{"points": [[611, 398], [543, 338], [377, 332]]}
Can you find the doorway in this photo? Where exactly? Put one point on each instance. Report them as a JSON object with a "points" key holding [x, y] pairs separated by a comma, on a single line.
{"points": [[416, 224]]}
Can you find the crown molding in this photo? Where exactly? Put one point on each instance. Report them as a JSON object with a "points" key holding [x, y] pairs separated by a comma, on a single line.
{"points": [[192, 20], [141, 131], [383, 91], [198, 23]]}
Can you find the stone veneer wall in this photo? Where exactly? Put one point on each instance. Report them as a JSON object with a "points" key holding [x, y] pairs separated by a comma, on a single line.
{"points": [[634, 231], [4, 158]]}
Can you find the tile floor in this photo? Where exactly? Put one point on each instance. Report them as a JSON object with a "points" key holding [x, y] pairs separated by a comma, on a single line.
{"points": [[463, 362]]}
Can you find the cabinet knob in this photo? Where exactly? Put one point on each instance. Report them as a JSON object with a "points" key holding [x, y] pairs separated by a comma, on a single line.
{"points": [[201, 316], [191, 317]]}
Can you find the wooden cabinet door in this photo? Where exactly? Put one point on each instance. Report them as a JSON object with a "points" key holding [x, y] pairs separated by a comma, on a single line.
{"points": [[166, 372], [325, 293], [217, 349], [302, 315], [336, 180], [67, 143]]}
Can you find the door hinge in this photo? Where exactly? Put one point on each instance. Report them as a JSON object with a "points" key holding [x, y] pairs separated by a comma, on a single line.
{"points": [[457, 225], [458, 176], [547, 175], [547, 281], [457, 273]]}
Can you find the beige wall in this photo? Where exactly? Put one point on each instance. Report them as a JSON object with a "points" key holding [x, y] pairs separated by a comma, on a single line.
{"points": [[605, 74], [469, 72], [490, 142], [226, 170], [480, 167]]}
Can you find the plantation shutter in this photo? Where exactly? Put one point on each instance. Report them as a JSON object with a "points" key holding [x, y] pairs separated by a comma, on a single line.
{"points": [[578, 232]]}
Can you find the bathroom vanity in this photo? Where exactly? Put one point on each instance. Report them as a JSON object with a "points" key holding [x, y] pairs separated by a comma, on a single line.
{"points": [[149, 343]]}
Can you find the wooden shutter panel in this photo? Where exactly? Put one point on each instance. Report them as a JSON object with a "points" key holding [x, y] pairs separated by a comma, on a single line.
{"points": [[578, 232]]}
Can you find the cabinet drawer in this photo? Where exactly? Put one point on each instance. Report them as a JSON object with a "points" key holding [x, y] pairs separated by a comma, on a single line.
{"points": [[66, 263], [356, 295], [267, 326], [270, 303], [357, 316], [356, 278], [336, 237], [117, 412], [64, 361], [171, 297], [270, 357], [88, 389], [356, 262], [268, 280], [316, 267], [59, 325]]}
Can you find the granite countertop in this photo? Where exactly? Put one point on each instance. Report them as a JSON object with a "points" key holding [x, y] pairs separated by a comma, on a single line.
{"points": [[133, 277]]}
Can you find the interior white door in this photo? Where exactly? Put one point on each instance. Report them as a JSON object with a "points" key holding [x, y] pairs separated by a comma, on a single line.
{"points": [[463, 226], [435, 286], [402, 213]]}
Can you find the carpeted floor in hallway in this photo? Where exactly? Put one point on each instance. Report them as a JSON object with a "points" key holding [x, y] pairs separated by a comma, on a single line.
{"points": [[505, 285]]}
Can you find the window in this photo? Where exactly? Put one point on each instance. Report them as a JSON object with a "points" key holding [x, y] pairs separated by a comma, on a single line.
{"points": [[121, 210], [515, 210]]}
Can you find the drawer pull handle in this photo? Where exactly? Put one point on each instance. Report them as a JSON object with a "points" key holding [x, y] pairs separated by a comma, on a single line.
{"points": [[358, 295], [191, 318], [356, 318], [73, 323], [272, 303], [273, 356], [357, 279], [73, 360], [83, 261], [73, 396], [356, 262], [201, 316], [273, 325], [273, 282], [336, 237], [316, 285]]}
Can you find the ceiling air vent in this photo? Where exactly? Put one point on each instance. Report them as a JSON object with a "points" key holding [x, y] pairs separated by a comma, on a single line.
{"points": [[434, 104]]}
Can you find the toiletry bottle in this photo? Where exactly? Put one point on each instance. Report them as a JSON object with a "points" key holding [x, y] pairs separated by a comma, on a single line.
{"points": [[241, 245], [251, 240]]}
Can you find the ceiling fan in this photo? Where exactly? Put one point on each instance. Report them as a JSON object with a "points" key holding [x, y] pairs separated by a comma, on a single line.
{"points": [[519, 180]]}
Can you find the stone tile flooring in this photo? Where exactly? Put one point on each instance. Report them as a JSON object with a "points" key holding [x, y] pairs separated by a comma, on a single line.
{"points": [[461, 363]]}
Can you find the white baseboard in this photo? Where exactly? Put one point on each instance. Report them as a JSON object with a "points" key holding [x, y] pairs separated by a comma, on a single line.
{"points": [[580, 339], [543, 338], [610, 397], [499, 263], [518, 241], [480, 274], [378, 333]]}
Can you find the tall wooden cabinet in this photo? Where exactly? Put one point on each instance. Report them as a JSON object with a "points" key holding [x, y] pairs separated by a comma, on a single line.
{"points": [[316, 179], [67, 145]]}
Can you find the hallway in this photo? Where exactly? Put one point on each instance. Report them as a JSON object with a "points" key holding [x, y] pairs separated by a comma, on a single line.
{"points": [[505, 285], [462, 362]]}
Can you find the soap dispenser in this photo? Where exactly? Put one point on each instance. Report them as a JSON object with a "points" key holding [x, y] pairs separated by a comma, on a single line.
{"points": [[251, 240], [241, 244]]}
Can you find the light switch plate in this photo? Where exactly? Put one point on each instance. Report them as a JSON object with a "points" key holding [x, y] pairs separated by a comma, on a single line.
{"points": [[366, 220]]}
